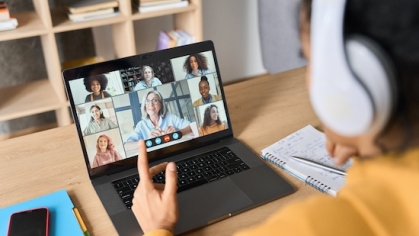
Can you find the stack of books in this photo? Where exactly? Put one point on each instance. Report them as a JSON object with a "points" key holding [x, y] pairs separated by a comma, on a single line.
{"points": [[174, 38], [92, 10], [7, 22], [145, 6]]}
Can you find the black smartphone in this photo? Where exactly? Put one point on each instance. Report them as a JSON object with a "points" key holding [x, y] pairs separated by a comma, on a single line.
{"points": [[33, 222]]}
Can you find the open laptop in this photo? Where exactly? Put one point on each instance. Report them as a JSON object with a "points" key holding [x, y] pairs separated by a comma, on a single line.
{"points": [[219, 176]]}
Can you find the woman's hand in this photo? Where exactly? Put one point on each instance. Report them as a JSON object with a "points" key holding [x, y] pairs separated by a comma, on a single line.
{"points": [[338, 152], [155, 205], [156, 132], [169, 129]]}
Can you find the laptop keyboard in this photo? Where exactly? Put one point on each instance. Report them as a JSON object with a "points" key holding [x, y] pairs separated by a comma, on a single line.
{"points": [[192, 172]]}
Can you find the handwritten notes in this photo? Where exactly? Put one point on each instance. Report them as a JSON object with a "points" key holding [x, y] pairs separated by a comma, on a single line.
{"points": [[311, 144]]}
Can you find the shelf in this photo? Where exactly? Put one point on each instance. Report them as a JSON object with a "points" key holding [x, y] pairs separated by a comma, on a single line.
{"points": [[61, 23], [139, 16], [18, 101], [48, 94], [29, 25]]}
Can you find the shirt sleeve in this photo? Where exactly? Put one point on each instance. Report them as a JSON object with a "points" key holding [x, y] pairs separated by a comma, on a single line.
{"points": [[136, 134], [178, 123], [111, 124], [157, 81], [159, 232], [87, 130]]}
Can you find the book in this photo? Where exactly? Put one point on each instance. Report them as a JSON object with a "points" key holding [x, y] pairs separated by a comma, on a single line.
{"points": [[62, 218], [8, 24], [173, 38], [310, 144], [157, 2], [76, 17], [160, 7], [91, 5], [163, 41]]}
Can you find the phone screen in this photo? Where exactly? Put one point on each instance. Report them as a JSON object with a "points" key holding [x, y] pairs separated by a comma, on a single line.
{"points": [[32, 222]]}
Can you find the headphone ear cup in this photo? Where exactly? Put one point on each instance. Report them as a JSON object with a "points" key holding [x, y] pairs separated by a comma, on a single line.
{"points": [[350, 87], [373, 69]]}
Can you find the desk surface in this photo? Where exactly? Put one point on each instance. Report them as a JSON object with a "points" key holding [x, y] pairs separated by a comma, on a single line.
{"points": [[263, 110]]}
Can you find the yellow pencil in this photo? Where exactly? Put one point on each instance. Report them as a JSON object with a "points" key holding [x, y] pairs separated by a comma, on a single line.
{"points": [[81, 222]]}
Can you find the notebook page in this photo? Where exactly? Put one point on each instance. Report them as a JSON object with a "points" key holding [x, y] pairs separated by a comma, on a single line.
{"points": [[308, 143]]}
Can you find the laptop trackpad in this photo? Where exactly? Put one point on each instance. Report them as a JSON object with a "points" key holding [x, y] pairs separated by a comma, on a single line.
{"points": [[200, 206]]}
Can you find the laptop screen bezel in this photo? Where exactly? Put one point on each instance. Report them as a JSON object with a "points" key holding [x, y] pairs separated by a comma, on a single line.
{"points": [[143, 59]]}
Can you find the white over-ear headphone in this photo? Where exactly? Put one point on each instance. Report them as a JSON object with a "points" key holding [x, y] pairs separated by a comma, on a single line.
{"points": [[352, 79]]}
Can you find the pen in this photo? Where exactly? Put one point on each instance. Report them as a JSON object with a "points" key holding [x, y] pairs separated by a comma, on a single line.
{"points": [[81, 222], [313, 163]]}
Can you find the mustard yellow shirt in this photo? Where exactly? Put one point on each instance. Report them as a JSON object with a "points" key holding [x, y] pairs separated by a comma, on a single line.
{"points": [[380, 197], [211, 129]]}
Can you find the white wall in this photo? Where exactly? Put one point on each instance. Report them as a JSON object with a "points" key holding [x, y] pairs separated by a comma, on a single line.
{"points": [[231, 24]]}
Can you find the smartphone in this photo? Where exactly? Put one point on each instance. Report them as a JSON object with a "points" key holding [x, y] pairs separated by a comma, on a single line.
{"points": [[33, 222]]}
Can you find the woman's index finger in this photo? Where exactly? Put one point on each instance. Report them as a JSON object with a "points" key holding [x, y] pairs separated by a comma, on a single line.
{"points": [[142, 164]]}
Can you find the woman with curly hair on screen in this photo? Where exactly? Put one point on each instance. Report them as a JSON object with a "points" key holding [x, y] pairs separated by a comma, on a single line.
{"points": [[96, 85], [195, 65]]}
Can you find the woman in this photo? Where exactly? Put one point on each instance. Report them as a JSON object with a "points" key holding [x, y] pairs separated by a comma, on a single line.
{"points": [[98, 122], [105, 152], [195, 66], [204, 90], [212, 122], [148, 79], [157, 120], [96, 85], [380, 195]]}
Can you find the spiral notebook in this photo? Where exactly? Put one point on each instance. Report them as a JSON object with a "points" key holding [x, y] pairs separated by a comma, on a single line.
{"points": [[308, 143]]}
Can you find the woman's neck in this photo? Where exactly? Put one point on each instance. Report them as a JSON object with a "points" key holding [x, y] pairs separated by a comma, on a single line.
{"points": [[103, 150], [155, 120], [96, 94]]}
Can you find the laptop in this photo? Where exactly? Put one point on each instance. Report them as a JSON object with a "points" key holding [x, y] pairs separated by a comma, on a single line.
{"points": [[182, 116]]}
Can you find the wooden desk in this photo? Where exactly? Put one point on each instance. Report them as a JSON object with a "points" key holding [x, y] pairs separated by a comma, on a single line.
{"points": [[263, 110]]}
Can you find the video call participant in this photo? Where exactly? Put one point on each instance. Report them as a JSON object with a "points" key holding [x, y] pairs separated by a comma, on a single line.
{"points": [[148, 80], [204, 89], [98, 122], [195, 66], [105, 152], [156, 120], [380, 195], [96, 85], [212, 122]]}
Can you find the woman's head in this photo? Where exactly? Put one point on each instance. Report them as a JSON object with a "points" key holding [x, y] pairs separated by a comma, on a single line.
{"points": [[394, 26], [104, 143], [204, 87], [96, 113], [95, 84], [211, 115], [195, 62], [153, 105]]}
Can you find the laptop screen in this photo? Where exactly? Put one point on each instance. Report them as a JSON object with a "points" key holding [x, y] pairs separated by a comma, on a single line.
{"points": [[172, 99]]}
